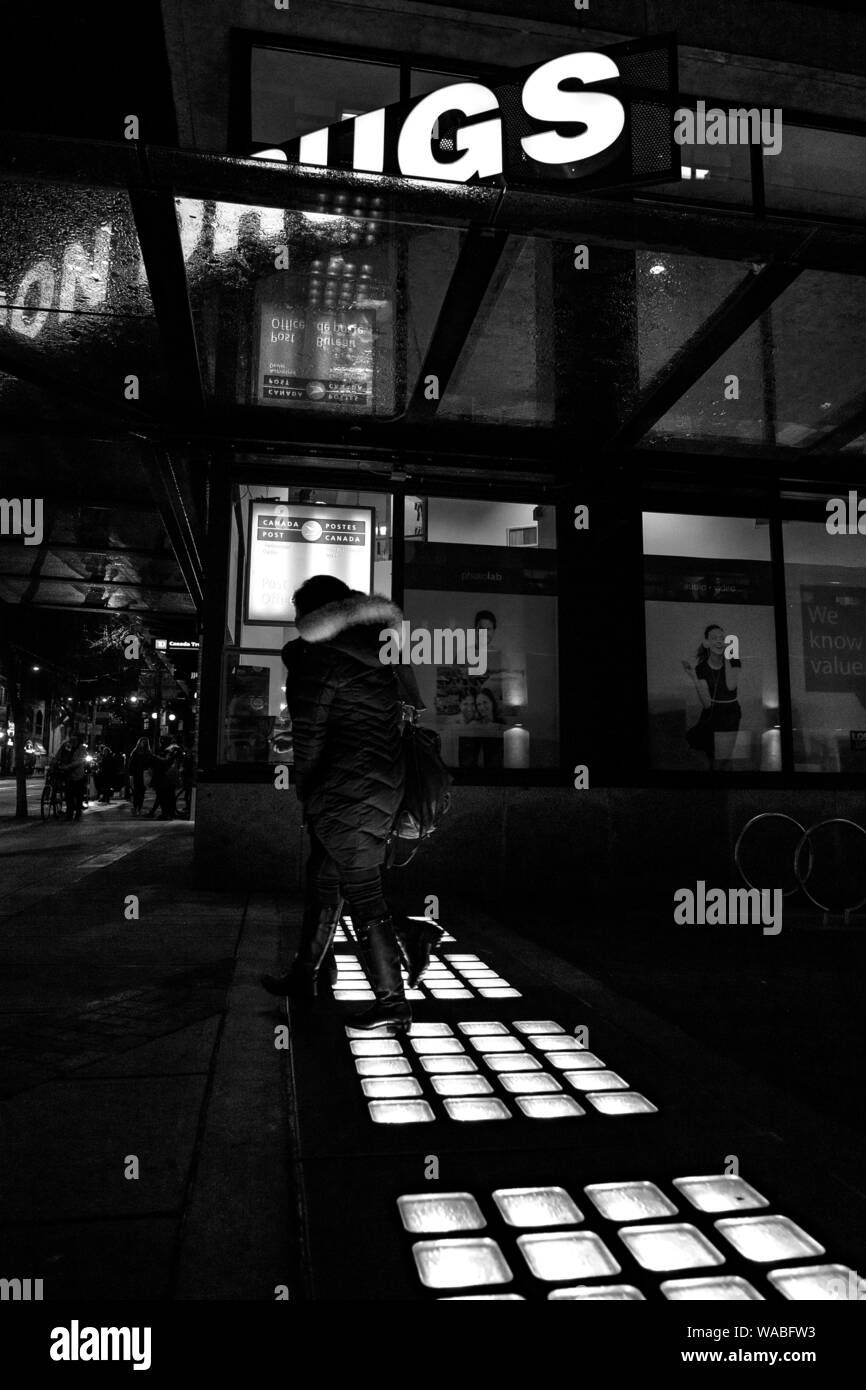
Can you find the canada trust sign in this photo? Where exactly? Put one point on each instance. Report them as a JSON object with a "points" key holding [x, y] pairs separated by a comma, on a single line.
{"points": [[569, 118]]}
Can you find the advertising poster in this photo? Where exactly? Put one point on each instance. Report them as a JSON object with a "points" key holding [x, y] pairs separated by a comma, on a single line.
{"points": [[291, 542], [315, 357]]}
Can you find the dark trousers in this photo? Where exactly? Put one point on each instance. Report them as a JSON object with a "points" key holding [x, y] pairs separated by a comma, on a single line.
{"points": [[74, 797], [328, 883]]}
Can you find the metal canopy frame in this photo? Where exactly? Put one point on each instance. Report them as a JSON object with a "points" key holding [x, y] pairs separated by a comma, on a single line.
{"points": [[153, 176]]}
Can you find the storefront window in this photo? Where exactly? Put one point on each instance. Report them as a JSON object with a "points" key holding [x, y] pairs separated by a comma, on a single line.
{"points": [[280, 537], [826, 603], [486, 567], [710, 644]]}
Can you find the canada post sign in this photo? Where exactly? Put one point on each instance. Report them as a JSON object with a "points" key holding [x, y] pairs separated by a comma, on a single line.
{"points": [[606, 118], [290, 542], [311, 532]]}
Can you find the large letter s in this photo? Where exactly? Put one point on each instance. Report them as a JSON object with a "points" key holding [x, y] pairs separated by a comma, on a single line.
{"points": [[543, 100]]}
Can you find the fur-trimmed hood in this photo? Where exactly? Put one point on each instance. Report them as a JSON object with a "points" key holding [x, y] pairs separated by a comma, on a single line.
{"points": [[355, 610]]}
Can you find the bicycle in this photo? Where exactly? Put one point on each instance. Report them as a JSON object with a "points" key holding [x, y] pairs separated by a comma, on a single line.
{"points": [[53, 801]]}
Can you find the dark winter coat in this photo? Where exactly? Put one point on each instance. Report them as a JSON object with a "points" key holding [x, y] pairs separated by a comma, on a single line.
{"points": [[345, 707]]}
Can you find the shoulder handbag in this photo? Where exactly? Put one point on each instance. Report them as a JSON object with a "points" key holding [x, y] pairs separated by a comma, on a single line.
{"points": [[426, 795]]}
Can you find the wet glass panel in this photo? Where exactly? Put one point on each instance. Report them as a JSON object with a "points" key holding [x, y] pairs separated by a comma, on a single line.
{"points": [[537, 1206], [720, 1192], [487, 993], [550, 1107], [505, 371], [400, 1112], [391, 1087], [481, 1029], [675, 296], [451, 993], [430, 1030], [567, 1255], [820, 171], [817, 333], [621, 1103], [483, 1109], [705, 415], [818, 1282], [429, 1213], [728, 1287], [675, 1246], [342, 331], [460, 1264], [767, 1238], [629, 1201]]}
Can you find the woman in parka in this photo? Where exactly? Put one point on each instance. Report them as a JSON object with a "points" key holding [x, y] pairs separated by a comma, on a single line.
{"points": [[346, 710]]}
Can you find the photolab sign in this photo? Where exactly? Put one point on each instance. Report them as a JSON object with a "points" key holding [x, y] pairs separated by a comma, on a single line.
{"points": [[602, 115]]}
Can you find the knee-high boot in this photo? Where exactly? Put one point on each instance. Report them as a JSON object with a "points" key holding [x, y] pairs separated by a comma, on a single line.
{"points": [[380, 953], [303, 978]]}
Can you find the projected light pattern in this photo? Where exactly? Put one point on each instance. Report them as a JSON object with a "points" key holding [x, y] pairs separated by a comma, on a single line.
{"points": [[544, 1235]]}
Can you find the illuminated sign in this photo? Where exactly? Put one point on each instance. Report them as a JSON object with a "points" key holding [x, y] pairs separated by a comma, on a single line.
{"points": [[290, 543], [601, 116]]}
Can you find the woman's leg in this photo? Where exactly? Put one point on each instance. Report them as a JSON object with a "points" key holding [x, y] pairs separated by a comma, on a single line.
{"points": [[377, 943]]}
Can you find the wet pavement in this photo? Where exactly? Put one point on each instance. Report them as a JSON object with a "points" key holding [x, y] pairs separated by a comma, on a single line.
{"points": [[163, 1146]]}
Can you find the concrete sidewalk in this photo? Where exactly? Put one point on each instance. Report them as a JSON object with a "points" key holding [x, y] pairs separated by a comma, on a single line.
{"points": [[143, 1100]]}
